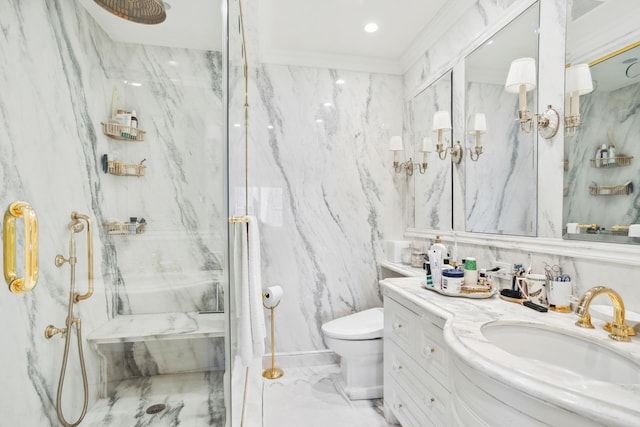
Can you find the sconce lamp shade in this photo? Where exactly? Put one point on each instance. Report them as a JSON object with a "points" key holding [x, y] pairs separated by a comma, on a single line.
{"points": [[427, 145], [396, 143], [521, 72], [477, 123], [578, 79], [441, 121]]}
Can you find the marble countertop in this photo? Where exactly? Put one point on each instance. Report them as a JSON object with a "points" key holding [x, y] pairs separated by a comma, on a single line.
{"points": [[158, 326], [617, 404]]}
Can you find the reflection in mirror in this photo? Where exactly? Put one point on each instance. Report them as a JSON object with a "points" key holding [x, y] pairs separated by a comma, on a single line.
{"points": [[601, 200], [602, 177], [433, 189], [501, 186]]}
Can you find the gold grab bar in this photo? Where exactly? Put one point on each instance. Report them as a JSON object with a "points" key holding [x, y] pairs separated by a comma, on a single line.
{"points": [[19, 285], [79, 297]]}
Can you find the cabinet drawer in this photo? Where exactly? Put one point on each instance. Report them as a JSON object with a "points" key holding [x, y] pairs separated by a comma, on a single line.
{"points": [[431, 353], [403, 406], [400, 323], [430, 397]]}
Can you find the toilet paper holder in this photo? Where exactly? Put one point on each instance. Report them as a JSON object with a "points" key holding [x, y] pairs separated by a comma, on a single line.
{"points": [[270, 300]]}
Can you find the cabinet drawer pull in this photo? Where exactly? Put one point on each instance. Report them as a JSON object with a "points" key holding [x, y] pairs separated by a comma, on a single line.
{"points": [[397, 368], [426, 351], [397, 405], [397, 326], [429, 401]]}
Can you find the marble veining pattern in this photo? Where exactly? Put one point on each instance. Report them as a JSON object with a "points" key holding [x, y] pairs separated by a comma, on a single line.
{"points": [[191, 400], [500, 187], [338, 190], [603, 113], [433, 189], [308, 396], [56, 82]]}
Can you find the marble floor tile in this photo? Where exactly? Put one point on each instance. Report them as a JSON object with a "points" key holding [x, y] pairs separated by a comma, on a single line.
{"points": [[193, 399], [308, 397]]}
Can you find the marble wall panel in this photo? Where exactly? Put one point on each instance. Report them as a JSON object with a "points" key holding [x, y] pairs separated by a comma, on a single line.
{"points": [[323, 149], [56, 81]]}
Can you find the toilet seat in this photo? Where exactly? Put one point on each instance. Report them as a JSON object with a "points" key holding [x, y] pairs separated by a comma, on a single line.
{"points": [[364, 325]]}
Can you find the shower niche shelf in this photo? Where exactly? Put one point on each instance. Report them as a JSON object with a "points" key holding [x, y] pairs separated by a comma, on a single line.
{"points": [[122, 228], [611, 190], [121, 132], [115, 167], [612, 162]]}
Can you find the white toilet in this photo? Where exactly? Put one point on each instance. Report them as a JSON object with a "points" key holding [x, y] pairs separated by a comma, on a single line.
{"points": [[357, 339]]}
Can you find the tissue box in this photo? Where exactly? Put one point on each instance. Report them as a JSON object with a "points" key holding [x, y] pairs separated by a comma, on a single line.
{"points": [[394, 249]]}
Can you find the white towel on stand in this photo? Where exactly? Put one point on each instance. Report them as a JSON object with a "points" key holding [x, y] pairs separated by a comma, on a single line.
{"points": [[252, 326]]}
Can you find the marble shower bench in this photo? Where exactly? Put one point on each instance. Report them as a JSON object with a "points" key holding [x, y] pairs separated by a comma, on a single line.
{"points": [[140, 345]]}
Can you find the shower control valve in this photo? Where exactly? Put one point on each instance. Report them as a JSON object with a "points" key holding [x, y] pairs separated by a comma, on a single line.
{"points": [[60, 260], [51, 330]]}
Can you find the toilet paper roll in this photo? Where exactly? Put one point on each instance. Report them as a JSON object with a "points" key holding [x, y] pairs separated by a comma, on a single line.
{"points": [[634, 230], [272, 296]]}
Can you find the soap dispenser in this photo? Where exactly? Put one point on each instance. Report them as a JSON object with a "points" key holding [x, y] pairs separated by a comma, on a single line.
{"points": [[440, 248]]}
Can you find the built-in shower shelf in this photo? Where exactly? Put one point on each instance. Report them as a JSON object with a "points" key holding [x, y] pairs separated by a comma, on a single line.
{"points": [[121, 132], [612, 162], [123, 228], [158, 326]]}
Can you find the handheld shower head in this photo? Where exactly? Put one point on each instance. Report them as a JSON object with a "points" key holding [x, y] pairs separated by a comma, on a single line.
{"points": [[76, 225]]}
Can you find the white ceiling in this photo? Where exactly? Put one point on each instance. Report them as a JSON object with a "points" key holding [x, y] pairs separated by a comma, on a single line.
{"points": [[312, 32], [327, 33], [195, 24]]}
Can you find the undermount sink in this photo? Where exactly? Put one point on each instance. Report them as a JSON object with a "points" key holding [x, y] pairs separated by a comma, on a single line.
{"points": [[563, 350]]}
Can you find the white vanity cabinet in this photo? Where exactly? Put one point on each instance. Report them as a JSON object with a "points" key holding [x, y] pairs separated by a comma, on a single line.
{"points": [[416, 383]]}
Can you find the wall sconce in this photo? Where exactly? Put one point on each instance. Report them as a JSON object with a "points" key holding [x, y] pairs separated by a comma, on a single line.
{"points": [[578, 82], [395, 145], [427, 145], [441, 123], [477, 126], [522, 79]]}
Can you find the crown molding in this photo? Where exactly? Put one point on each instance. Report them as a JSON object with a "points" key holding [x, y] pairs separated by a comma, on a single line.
{"points": [[319, 60], [439, 25]]}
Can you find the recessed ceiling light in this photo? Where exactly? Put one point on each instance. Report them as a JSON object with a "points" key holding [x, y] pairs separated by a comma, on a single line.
{"points": [[269, 127], [633, 70], [173, 63], [327, 104], [371, 27], [318, 120], [136, 84], [236, 125], [340, 82]]}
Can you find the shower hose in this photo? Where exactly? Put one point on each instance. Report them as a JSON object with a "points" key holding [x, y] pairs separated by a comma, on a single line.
{"points": [[77, 322]]}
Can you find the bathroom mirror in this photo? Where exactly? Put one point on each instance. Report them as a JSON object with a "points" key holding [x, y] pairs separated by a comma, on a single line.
{"points": [[501, 185], [433, 188], [601, 191]]}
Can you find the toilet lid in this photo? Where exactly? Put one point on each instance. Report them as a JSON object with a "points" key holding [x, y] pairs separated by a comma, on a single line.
{"points": [[364, 325]]}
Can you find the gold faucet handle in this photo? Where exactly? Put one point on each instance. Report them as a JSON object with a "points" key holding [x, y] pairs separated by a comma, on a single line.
{"points": [[630, 331], [585, 321]]}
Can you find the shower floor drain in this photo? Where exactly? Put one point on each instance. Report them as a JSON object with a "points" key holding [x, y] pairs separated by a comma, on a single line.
{"points": [[154, 409]]}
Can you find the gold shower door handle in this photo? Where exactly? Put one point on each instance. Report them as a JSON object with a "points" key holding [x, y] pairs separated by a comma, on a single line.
{"points": [[19, 285]]}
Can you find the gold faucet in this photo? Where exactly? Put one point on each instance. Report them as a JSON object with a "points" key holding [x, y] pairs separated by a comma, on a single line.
{"points": [[619, 331]]}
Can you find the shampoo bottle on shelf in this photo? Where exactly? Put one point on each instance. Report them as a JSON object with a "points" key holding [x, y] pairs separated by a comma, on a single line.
{"points": [[134, 125], [604, 155], [612, 155]]}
